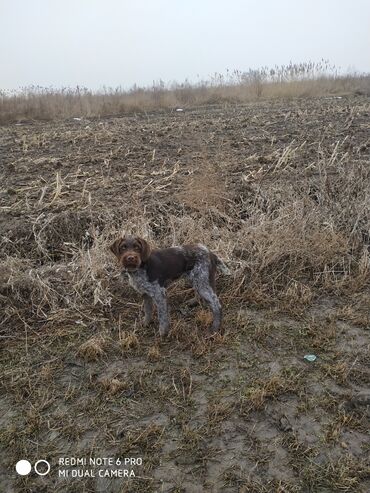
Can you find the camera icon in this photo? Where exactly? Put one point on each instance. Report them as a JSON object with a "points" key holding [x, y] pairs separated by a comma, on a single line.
{"points": [[41, 467]]}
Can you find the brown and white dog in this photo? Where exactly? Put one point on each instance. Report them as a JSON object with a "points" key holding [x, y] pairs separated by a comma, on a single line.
{"points": [[150, 271]]}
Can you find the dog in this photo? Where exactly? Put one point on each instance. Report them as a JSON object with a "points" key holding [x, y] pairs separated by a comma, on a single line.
{"points": [[151, 271]]}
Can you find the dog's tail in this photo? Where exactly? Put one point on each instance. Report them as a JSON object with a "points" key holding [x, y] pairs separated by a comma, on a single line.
{"points": [[222, 266]]}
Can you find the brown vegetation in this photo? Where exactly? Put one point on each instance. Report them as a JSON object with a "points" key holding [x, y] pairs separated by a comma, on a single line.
{"points": [[287, 81], [281, 190]]}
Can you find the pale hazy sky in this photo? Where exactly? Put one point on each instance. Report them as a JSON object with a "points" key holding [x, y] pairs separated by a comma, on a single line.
{"points": [[94, 43]]}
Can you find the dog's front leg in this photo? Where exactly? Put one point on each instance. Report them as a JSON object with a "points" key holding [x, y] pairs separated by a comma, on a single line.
{"points": [[148, 310], [160, 299]]}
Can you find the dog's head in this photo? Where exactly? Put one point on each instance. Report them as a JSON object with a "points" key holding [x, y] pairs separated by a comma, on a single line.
{"points": [[131, 252]]}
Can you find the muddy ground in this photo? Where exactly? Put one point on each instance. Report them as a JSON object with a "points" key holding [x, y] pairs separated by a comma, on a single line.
{"points": [[245, 412]]}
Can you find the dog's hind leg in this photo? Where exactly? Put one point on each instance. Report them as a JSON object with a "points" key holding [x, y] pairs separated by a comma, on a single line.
{"points": [[202, 286]]}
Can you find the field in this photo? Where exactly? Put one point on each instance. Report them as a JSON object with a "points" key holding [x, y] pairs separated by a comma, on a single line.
{"points": [[280, 189]]}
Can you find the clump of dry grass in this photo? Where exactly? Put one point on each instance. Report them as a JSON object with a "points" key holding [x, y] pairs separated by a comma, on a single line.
{"points": [[218, 412], [92, 349], [128, 341], [204, 317], [112, 385], [146, 439], [357, 314], [208, 178], [254, 396], [342, 474], [154, 353], [341, 421], [338, 371]]}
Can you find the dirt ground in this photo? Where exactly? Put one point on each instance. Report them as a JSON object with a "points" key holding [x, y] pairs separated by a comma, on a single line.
{"points": [[280, 190]]}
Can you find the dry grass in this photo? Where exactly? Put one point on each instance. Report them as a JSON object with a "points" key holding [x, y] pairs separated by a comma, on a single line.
{"points": [[294, 80], [93, 349], [113, 385], [343, 474], [255, 395], [281, 190], [128, 341]]}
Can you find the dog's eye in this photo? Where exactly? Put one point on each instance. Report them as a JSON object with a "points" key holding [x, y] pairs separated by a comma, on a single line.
{"points": [[136, 247], [124, 246]]}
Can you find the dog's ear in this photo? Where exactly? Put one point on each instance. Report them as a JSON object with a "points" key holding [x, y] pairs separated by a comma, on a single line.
{"points": [[115, 247], [145, 249]]}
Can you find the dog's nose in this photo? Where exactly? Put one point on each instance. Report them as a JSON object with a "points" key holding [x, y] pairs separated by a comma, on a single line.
{"points": [[131, 258]]}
